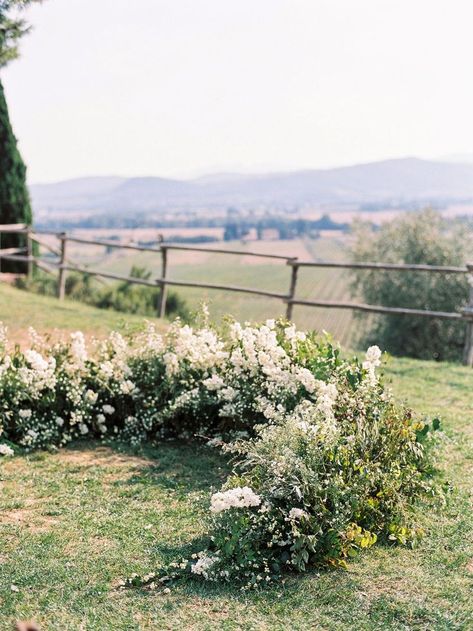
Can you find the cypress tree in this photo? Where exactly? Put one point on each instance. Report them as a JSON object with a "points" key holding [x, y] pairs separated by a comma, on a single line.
{"points": [[14, 198]]}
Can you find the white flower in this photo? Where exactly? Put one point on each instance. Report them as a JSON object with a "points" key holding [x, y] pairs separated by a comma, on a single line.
{"points": [[372, 361], [203, 564], [228, 394], [373, 355], [25, 414], [36, 360], [5, 450], [108, 409], [91, 396], [306, 378], [106, 368], [78, 349], [215, 442], [126, 387], [59, 421], [171, 364], [297, 513], [3, 334], [290, 332], [213, 383], [239, 497], [83, 429]]}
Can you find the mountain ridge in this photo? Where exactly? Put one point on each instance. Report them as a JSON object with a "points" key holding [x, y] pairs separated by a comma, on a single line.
{"points": [[382, 181]]}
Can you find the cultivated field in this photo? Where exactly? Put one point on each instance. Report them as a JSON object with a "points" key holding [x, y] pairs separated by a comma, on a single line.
{"points": [[246, 271]]}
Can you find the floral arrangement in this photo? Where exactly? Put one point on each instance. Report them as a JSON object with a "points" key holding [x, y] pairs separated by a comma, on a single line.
{"points": [[327, 462]]}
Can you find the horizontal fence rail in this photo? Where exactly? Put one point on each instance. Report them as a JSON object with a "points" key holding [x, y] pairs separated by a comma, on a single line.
{"points": [[113, 244], [401, 267], [63, 264], [14, 227], [192, 248], [244, 290], [330, 304]]}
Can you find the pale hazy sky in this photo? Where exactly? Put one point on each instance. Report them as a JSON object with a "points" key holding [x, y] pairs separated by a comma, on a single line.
{"points": [[179, 87]]}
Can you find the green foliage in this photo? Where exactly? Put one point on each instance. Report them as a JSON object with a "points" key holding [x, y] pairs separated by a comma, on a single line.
{"points": [[123, 296], [12, 28], [14, 198], [416, 238], [327, 488]]}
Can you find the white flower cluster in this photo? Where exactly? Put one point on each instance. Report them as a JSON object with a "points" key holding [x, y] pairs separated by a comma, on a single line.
{"points": [[203, 564], [5, 450], [186, 382], [372, 361], [297, 513], [239, 497]]}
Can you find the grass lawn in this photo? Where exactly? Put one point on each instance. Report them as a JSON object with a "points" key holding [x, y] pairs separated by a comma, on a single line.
{"points": [[74, 522], [21, 309]]}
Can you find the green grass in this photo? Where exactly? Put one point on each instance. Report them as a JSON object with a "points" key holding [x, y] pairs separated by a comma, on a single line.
{"points": [[74, 522], [21, 309]]}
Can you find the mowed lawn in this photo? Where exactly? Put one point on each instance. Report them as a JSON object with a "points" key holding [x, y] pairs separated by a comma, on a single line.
{"points": [[20, 309], [73, 523]]}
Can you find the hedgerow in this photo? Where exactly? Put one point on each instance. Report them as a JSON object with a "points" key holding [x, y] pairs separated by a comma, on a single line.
{"points": [[326, 462]]}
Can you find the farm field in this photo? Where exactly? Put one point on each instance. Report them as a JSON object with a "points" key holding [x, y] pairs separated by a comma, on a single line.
{"points": [[73, 523], [248, 271]]}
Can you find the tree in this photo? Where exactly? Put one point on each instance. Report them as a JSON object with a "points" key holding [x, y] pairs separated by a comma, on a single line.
{"points": [[15, 204], [421, 237]]}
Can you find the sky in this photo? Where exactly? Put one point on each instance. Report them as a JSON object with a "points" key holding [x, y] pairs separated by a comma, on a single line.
{"points": [[178, 88]]}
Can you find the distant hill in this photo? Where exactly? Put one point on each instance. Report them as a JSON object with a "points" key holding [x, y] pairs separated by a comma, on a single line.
{"points": [[389, 181]]}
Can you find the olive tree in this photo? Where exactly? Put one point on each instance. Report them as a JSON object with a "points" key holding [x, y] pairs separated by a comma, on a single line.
{"points": [[421, 237]]}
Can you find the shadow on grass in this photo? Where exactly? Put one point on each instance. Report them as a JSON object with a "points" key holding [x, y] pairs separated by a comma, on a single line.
{"points": [[172, 465], [183, 468]]}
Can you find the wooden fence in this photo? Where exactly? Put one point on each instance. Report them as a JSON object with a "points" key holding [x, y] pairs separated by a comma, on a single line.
{"points": [[64, 264]]}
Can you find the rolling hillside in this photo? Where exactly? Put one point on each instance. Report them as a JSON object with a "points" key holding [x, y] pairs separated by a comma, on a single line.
{"points": [[386, 181]]}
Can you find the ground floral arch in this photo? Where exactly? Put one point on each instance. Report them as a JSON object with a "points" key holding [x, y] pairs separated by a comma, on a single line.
{"points": [[327, 462]]}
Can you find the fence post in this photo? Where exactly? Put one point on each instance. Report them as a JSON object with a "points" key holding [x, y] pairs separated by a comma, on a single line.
{"points": [[468, 315], [163, 294], [29, 252], [292, 288], [61, 285]]}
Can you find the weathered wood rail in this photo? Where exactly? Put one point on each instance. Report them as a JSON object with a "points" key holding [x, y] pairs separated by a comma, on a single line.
{"points": [[64, 264]]}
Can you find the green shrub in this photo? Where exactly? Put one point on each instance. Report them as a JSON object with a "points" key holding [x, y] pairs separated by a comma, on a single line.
{"points": [[326, 463], [422, 237], [122, 296]]}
